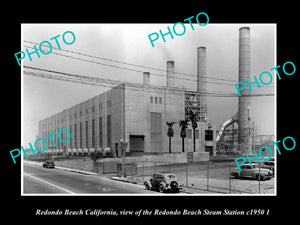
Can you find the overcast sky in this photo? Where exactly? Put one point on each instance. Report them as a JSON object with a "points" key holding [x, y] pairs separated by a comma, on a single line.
{"points": [[129, 43]]}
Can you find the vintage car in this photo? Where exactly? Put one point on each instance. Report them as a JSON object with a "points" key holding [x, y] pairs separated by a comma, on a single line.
{"points": [[163, 182], [254, 171], [48, 164], [268, 165]]}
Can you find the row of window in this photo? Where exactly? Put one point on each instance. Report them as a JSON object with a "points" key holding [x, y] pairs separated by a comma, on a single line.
{"points": [[75, 115], [76, 131], [156, 100], [108, 103]]}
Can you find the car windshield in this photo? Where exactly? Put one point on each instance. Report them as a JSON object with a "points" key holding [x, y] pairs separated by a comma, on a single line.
{"points": [[171, 176]]}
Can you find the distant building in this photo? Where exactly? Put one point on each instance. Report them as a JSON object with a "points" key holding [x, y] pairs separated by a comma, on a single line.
{"points": [[263, 140]]}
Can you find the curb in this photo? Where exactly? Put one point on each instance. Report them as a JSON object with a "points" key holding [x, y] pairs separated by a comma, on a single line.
{"points": [[124, 179], [65, 168]]}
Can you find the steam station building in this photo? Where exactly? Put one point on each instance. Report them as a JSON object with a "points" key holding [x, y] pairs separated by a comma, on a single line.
{"points": [[137, 114]]}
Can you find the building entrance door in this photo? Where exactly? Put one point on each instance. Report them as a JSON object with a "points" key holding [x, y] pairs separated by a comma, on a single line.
{"points": [[136, 143]]}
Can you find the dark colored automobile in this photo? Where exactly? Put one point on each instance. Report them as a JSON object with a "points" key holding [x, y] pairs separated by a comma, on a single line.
{"points": [[163, 182], [48, 164]]}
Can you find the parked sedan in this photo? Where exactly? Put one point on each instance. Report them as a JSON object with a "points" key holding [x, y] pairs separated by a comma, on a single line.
{"points": [[253, 171], [163, 182], [48, 164]]}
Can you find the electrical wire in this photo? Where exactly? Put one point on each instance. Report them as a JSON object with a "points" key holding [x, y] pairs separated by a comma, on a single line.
{"points": [[131, 64], [136, 65], [113, 83]]}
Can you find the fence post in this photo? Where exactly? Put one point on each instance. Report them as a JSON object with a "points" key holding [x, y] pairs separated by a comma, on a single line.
{"points": [[207, 179], [258, 178], [186, 175], [229, 176], [143, 166]]}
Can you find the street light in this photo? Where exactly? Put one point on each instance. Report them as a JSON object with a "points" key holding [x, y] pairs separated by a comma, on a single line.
{"points": [[123, 146]]}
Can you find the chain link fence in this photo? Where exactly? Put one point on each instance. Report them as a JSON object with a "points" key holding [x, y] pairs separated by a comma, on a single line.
{"points": [[206, 176]]}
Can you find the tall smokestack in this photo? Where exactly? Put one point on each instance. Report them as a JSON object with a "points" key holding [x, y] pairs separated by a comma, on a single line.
{"points": [[244, 99], [170, 74], [201, 80]]}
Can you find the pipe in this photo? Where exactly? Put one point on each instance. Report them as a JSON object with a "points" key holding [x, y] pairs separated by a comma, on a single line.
{"points": [[226, 124], [170, 74], [223, 127]]}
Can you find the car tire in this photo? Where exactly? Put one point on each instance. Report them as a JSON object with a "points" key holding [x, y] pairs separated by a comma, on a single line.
{"points": [[174, 185], [236, 175], [162, 187], [147, 186]]}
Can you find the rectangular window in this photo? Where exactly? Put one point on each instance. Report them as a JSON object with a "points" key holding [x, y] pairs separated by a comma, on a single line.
{"points": [[156, 131], [155, 100], [160, 100], [86, 111], [109, 131], [151, 100], [71, 131], [93, 108], [197, 134], [80, 135], [93, 133], [208, 135], [86, 134], [75, 138], [100, 132]]}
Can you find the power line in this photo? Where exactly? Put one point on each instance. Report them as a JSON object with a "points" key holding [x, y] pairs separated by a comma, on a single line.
{"points": [[112, 83], [135, 70], [131, 64]]}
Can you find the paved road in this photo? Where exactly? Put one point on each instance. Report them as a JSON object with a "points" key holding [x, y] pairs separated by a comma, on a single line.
{"points": [[39, 180]]}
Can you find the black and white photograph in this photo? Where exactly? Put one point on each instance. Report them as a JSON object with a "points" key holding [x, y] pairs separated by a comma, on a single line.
{"points": [[148, 120], [151, 115]]}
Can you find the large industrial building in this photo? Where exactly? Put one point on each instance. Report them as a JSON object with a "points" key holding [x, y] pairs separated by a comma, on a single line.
{"points": [[137, 113]]}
